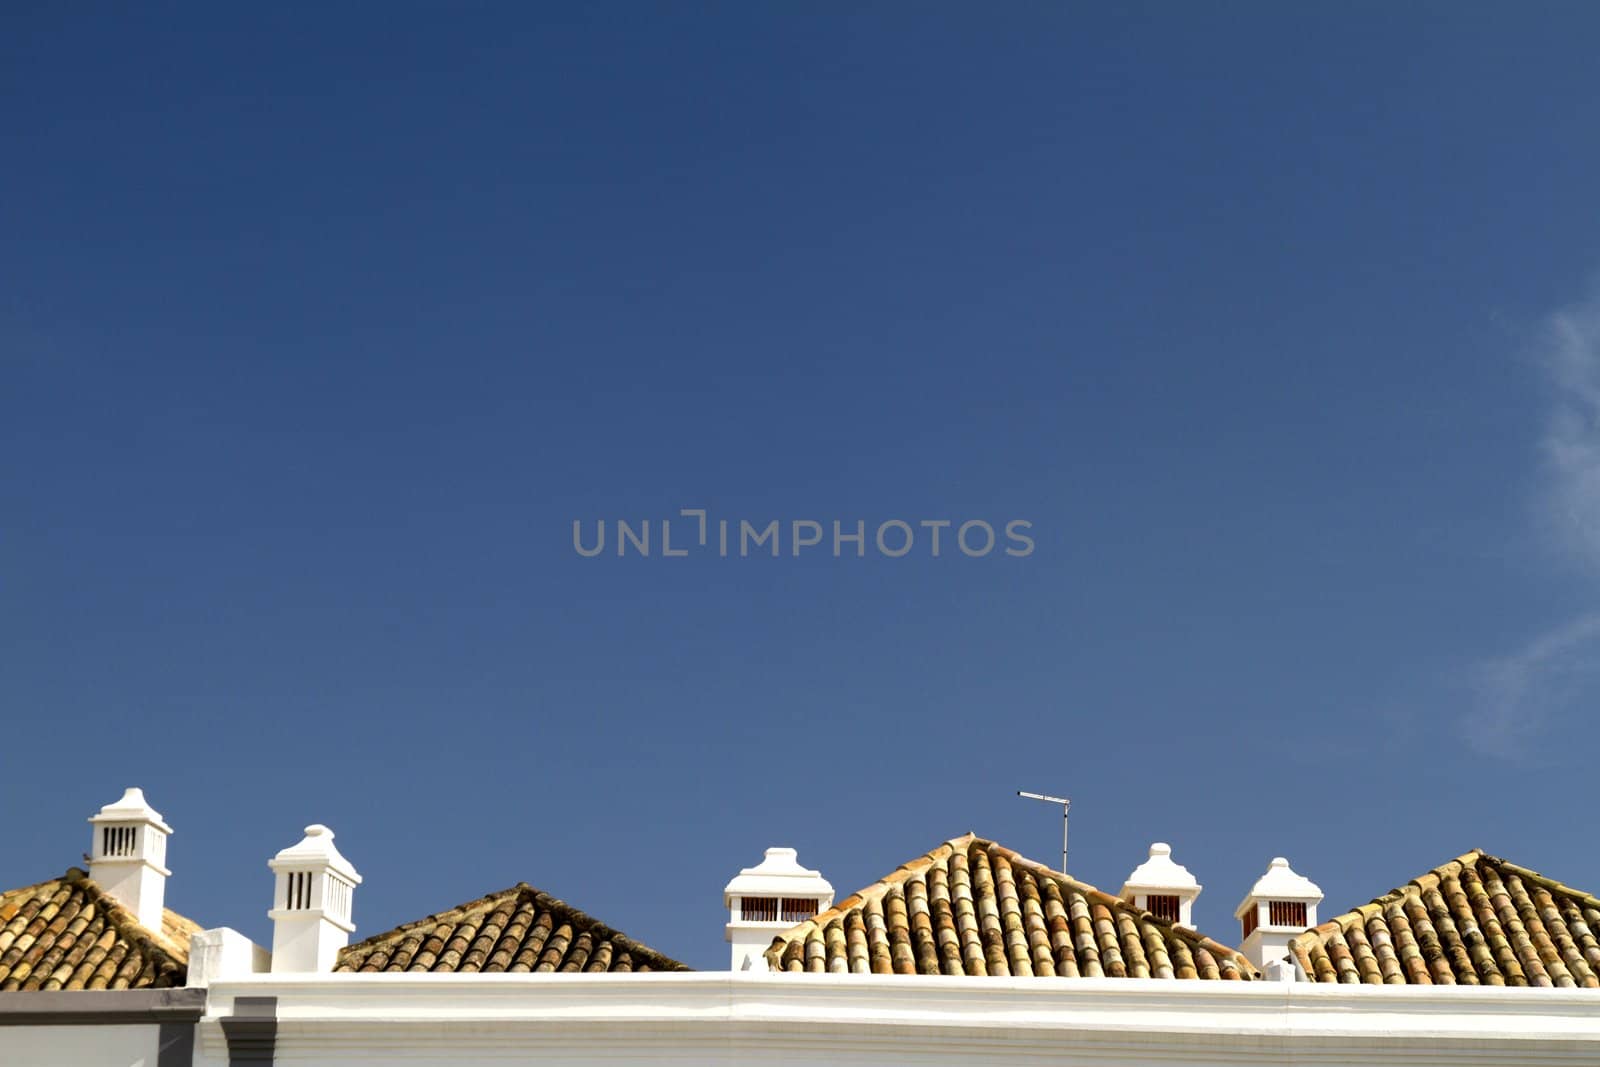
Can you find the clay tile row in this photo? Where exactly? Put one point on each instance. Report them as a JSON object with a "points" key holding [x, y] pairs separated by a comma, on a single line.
{"points": [[67, 933], [516, 930], [972, 907], [1476, 920]]}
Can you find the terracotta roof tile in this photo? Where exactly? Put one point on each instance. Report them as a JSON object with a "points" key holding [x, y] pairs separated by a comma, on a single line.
{"points": [[68, 933], [977, 908], [1477, 920], [516, 929]]}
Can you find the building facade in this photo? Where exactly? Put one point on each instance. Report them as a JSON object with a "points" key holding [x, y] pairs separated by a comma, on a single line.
{"points": [[967, 954]]}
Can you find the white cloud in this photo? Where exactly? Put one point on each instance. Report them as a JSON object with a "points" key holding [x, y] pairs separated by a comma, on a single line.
{"points": [[1570, 354], [1518, 696], [1521, 694]]}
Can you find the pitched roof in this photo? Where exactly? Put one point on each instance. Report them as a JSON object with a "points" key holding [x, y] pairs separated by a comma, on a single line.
{"points": [[68, 933], [516, 929], [1477, 920], [974, 907]]}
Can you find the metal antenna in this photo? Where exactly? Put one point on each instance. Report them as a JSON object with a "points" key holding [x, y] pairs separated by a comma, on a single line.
{"points": [[1066, 805]]}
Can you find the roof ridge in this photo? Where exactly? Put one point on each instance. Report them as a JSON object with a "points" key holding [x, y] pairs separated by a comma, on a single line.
{"points": [[1358, 915], [435, 917], [73, 874], [1061, 877], [879, 889], [1095, 893], [574, 915], [128, 924], [1544, 880], [607, 932], [1430, 879]]}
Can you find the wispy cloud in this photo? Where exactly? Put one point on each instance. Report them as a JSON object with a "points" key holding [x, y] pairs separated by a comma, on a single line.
{"points": [[1570, 356], [1520, 695]]}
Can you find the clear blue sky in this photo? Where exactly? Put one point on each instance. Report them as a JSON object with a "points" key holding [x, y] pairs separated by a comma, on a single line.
{"points": [[319, 326]]}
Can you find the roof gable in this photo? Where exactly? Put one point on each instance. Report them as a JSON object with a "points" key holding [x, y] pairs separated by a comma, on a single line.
{"points": [[517, 929], [1477, 920], [973, 907], [68, 933]]}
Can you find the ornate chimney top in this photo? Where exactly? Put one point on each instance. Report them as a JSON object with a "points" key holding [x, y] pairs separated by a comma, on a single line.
{"points": [[1280, 905], [128, 856], [312, 903], [1163, 887], [766, 899]]}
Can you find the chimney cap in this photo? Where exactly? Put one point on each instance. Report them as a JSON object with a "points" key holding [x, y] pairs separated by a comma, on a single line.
{"points": [[314, 850], [1281, 883], [1161, 872], [131, 807], [778, 874]]}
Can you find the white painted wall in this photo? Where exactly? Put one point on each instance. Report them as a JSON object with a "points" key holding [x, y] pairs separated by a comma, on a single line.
{"points": [[224, 953], [772, 1020], [79, 1046]]}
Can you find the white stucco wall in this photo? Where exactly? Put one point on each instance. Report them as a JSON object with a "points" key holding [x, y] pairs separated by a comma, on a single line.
{"points": [[79, 1046], [788, 1020]]}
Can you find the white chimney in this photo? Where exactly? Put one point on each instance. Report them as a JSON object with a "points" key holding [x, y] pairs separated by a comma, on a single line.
{"points": [[1163, 887], [128, 856], [311, 904], [1280, 905], [765, 900]]}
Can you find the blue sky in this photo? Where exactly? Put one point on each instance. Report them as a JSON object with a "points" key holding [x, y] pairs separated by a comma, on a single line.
{"points": [[319, 329]]}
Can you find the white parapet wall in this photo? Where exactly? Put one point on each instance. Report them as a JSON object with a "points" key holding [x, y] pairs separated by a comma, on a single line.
{"points": [[786, 1020], [222, 953]]}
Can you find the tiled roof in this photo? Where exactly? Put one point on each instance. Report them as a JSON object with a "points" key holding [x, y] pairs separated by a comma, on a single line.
{"points": [[1476, 920], [516, 929], [973, 907], [68, 933]]}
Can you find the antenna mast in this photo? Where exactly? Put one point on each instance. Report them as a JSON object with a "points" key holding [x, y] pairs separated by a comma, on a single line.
{"points": [[1066, 806]]}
